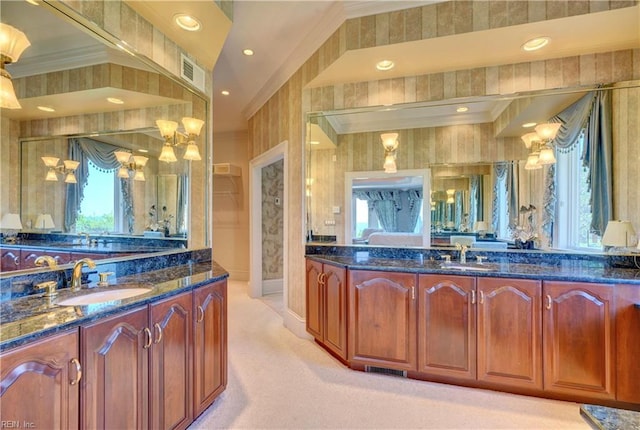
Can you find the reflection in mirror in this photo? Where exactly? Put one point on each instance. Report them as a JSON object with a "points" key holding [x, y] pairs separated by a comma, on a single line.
{"points": [[96, 100], [477, 157]]}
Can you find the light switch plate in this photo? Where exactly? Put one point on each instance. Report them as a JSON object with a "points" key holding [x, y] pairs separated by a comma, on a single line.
{"points": [[336, 209]]}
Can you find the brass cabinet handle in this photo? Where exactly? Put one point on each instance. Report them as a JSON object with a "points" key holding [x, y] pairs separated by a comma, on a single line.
{"points": [[76, 363], [549, 301], [148, 342], [159, 332], [481, 297], [319, 278], [200, 314], [473, 297]]}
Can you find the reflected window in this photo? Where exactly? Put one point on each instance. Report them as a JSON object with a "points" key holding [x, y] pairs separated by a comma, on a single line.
{"points": [[362, 217], [97, 214], [503, 210], [573, 198]]}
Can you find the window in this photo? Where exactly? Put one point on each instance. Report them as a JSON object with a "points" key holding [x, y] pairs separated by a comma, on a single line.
{"points": [[97, 213], [573, 215]]}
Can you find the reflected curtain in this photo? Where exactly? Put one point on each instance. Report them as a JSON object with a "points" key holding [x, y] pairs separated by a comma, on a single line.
{"points": [[75, 192], [476, 204], [500, 174], [512, 195], [549, 203], [386, 204], [415, 204], [598, 157], [181, 216]]}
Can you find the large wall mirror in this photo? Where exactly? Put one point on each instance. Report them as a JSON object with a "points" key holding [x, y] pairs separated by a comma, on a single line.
{"points": [[80, 94], [465, 150]]}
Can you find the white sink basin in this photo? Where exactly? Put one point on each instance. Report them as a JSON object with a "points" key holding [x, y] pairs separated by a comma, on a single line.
{"points": [[103, 296]]}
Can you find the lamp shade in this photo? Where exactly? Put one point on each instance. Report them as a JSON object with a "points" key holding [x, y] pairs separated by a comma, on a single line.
{"points": [[480, 226], [140, 160], [10, 222], [13, 42], [167, 155], [532, 162], [192, 125], [167, 128], [192, 153], [618, 233], [71, 178], [546, 156], [529, 138], [548, 131], [8, 99], [44, 221], [50, 161], [71, 164], [122, 156], [389, 141]]}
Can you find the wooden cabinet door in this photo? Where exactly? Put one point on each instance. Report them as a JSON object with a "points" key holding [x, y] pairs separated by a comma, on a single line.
{"points": [[170, 385], [447, 326], [315, 302], [115, 356], [210, 344], [510, 332], [10, 260], [335, 309], [628, 343], [382, 319], [39, 384], [578, 339]]}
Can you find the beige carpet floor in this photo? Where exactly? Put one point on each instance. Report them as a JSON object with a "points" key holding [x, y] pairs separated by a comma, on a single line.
{"points": [[279, 381]]}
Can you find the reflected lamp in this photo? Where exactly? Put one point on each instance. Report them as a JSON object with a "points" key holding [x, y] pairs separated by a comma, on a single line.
{"points": [[619, 234]]}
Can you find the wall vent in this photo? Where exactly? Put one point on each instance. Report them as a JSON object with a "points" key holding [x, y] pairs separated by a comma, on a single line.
{"points": [[192, 73], [226, 169], [385, 371]]}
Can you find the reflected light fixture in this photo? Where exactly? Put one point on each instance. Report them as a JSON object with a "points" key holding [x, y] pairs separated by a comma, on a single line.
{"points": [[536, 43], [248, 52], [67, 168], [539, 142], [385, 65], [619, 234], [481, 228], [130, 164], [450, 193], [10, 224], [12, 43], [187, 22], [390, 145], [169, 130], [44, 222]]}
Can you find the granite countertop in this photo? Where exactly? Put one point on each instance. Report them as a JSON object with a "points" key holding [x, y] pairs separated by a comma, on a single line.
{"points": [[99, 248], [576, 271], [25, 319], [604, 418]]}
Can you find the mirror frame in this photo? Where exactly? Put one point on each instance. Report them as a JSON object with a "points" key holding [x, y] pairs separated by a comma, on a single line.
{"points": [[375, 174]]}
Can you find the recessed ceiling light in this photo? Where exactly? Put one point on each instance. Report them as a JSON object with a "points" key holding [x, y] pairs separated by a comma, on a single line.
{"points": [[224, 92], [46, 109], [187, 22], [529, 124], [247, 52], [536, 43], [114, 100], [462, 109], [385, 65], [314, 142]]}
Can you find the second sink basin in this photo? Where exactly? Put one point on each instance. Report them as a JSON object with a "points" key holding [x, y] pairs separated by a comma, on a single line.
{"points": [[103, 296], [468, 267]]}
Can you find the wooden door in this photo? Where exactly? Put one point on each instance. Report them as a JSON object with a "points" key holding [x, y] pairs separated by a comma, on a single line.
{"points": [[10, 259], [510, 332], [382, 319], [39, 384], [170, 386], [210, 344], [447, 326], [628, 343], [578, 339], [315, 302], [335, 309], [115, 356]]}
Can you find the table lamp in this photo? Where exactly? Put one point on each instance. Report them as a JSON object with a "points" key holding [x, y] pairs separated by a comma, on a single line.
{"points": [[44, 222], [619, 234], [481, 228], [10, 223]]}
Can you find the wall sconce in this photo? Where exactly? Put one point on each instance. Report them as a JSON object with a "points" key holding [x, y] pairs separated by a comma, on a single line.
{"points": [[44, 222], [12, 43], [168, 130], [67, 169], [131, 164], [10, 223], [540, 144], [390, 144], [619, 234], [450, 194]]}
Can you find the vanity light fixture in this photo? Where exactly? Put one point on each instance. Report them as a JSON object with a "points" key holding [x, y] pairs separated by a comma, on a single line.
{"points": [[390, 144], [130, 164], [187, 22], [67, 168], [385, 65], [10, 224], [12, 43], [539, 142], [44, 222], [536, 43], [169, 130], [450, 193]]}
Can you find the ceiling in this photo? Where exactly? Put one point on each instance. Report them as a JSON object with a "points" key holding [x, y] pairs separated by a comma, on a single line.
{"points": [[284, 34]]}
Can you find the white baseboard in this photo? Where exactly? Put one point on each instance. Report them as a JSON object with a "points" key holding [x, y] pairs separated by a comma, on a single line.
{"points": [[238, 275], [271, 286], [295, 324]]}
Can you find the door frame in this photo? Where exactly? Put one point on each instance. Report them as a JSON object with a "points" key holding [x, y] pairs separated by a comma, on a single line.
{"points": [[277, 153]]}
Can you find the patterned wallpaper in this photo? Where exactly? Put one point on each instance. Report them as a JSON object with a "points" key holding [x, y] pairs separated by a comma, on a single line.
{"points": [[272, 220], [281, 118]]}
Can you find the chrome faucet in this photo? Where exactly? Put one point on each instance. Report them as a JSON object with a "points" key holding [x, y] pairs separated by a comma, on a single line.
{"points": [[48, 260], [463, 252], [76, 274]]}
